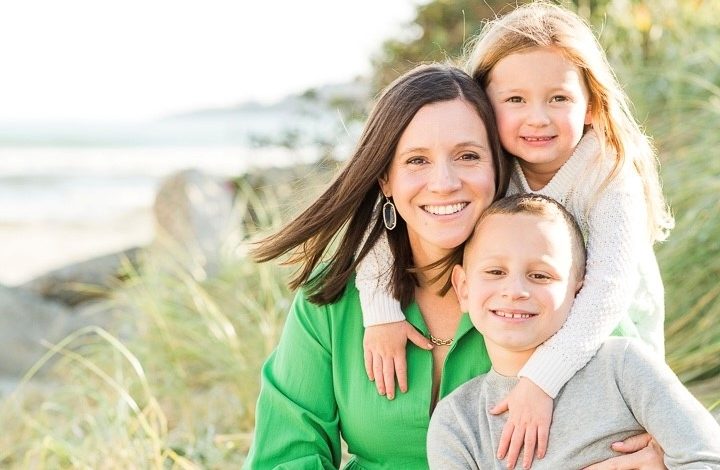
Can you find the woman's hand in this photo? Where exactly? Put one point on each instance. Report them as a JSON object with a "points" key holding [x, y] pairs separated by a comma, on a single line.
{"points": [[384, 347], [642, 453], [528, 424]]}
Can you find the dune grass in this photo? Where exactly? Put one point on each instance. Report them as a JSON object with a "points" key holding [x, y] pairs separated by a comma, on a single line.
{"points": [[172, 384]]}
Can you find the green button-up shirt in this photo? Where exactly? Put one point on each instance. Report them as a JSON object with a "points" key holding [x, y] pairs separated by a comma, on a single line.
{"points": [[315, 390]]}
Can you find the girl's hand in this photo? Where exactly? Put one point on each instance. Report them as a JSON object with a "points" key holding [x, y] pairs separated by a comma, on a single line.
{"points": [[528, 424], [643, 453], [384, 347]]}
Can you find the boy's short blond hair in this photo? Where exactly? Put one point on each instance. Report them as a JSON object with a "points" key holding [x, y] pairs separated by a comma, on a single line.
{"points": [[541, 206]]}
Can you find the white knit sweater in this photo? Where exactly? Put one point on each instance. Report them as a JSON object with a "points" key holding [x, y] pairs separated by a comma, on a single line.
{"points": [[622, 280]]}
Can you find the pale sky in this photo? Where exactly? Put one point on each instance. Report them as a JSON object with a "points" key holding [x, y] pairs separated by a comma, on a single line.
{"points": [[142, 59]]}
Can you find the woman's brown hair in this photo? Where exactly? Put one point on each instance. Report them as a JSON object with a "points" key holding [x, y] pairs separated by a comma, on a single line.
{"points": [[345, 211]]}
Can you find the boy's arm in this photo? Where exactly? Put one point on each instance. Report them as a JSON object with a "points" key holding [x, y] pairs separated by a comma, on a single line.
{"points": [[686, 431], [373, 283], [297, 419], [447, 442], [617, 227]]}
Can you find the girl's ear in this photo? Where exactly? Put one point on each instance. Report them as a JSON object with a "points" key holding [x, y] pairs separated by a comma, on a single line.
{"points": [[588, 115]]}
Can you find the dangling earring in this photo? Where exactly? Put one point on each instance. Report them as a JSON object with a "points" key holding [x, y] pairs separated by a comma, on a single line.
{"points": [[389, 214]]}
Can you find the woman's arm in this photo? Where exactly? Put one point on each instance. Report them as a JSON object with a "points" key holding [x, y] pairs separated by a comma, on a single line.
{"points": [[297, 419]]}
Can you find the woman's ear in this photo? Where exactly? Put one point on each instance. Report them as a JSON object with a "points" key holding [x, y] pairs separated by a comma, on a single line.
{"points": [[385, 186]]}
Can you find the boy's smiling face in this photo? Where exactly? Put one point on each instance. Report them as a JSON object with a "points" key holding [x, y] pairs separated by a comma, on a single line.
{"points": [[519, 279]]}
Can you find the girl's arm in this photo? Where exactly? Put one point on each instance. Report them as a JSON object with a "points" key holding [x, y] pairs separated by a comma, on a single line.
{"points": [[296, 424], [617, 237], [386, 331], [373, 282], [617, 234]]}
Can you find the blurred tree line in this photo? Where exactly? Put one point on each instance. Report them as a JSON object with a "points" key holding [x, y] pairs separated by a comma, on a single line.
{"points": [[666, 53]]}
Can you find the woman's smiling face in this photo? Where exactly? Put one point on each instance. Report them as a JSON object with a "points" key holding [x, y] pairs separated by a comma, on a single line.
{"points": [[441, 178]]}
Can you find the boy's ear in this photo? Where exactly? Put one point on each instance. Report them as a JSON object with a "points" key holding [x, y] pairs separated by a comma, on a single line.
{"points": [[578, 286], [459, 282]]}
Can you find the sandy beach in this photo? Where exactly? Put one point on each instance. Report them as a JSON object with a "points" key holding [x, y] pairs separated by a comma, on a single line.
{"points": [[31, 249]]}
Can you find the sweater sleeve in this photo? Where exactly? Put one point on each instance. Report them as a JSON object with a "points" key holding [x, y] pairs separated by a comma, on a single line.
{"points": [[616, 226], [297, 426], [686, 431], [373, 282]]}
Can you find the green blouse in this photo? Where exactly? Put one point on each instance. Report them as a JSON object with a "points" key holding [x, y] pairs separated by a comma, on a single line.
{"points": [[315, 390]]}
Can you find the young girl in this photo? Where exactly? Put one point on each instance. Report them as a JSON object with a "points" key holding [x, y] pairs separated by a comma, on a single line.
{"points": [[561, 112]]}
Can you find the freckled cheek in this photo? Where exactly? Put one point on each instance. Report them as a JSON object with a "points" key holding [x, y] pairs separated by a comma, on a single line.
{"points": [[506, 121]]}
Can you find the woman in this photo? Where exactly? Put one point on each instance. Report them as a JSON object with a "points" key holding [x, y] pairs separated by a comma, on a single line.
{"points": [[430, 150], [430, 156]]}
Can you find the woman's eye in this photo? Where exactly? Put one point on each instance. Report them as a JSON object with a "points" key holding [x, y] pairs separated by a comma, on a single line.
{"points": [[416, 161], [469, 156]]}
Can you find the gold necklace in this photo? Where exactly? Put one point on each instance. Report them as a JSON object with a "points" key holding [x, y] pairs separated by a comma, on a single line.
{"points": [[440, 341]]}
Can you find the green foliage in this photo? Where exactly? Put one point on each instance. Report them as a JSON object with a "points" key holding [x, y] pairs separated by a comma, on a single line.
{"points": [[437, 34], [441, 29], [660, 52]]}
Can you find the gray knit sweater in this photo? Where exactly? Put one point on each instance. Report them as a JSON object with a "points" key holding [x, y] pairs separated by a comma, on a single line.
{"points": [[624, 390]]}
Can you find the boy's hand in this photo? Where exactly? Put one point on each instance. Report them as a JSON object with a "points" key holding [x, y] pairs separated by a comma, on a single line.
{"points": [[384, 347], [642, 452], [528, 424]]}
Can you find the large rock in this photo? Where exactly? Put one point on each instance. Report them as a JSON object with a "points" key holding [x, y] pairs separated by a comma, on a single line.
{"points": [[83, 281], [193, 213], [26, 322]]}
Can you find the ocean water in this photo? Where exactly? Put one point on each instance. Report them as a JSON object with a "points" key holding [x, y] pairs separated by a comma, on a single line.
{"points": [[79, 184], [73, 191]]}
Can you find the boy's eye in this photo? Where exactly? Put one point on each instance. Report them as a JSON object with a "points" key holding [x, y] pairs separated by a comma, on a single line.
{"points": [[539, 276], [494, 272]]}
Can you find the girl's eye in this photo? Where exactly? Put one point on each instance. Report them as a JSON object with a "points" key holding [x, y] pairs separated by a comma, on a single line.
{"points": [[514, 99], [559, 99]]}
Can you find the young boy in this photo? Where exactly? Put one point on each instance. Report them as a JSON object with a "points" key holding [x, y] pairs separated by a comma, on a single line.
{"points": [[521, 270]]}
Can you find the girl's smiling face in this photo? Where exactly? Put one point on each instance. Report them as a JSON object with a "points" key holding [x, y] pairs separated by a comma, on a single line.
{"points": [[441, 177], [541, 104]]}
